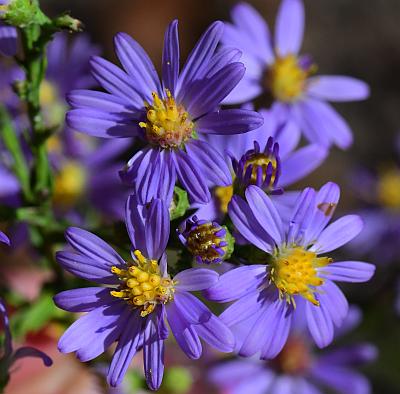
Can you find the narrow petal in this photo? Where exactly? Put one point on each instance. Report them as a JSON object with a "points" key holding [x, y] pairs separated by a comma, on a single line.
{"points": [[247, 224], [153, 355], [229, 121], [301, 217], [157, 229], [83, 300], [323, 125], [191, 179], [212, 165], [252, 24], [242, 309], [206, 95], [337, 88], [237, 283], [349, 271], [326, 202], [320, 324], [289, 28], [135, 220], [265, 213], [93, 247], [102, 124], [184, 333], [338, 233], [128, 345], [170, 59], [115, 81], [138, 65], [194, 279], [4, 238], [7, 344], [84, 267], [27, 351], [98, 328], [200, 56], [301, 163], [221, 59]]}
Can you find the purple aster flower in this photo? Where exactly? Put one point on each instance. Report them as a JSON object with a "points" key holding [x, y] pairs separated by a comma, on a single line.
{"points": [[169, 115], [299, 369], [144, 296], [207, 241], [8, 34], [266, 157], [275, 66], [294, 273], [7, 354]]}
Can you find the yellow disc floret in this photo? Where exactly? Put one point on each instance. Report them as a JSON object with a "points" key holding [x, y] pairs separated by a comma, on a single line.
{"points": [[70, 184], [286, 78], [294, 272], [224, 195], [168, 124], [261, 160], [389, 189], [142, 284]]}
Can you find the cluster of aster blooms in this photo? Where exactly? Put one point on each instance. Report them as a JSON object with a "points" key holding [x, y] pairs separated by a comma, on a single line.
{"points": [[204, 199]]}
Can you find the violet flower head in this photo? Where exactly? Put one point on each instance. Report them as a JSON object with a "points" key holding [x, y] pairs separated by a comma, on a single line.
{"points": [[167, 115], [207, 241], [266, 157], [299, 369], [134, 311], [7, 354], [270, 295], [275, 66]]}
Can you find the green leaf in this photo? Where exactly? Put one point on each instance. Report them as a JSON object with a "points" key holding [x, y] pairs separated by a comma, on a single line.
{"points": [[34, 317], [180, 203], [177, 380]]}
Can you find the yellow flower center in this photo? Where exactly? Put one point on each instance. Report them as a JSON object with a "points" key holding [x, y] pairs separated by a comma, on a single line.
{"points": [[142, 284], [261, 160], [168, 124], [70, 184], [53, 107], [286, 78], [224, 195], [294, 272], [294, 358], [389, 188], [202, 241]]}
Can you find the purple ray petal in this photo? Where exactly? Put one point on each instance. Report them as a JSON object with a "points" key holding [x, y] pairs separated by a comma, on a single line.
{"points": [[320, 324], [84, 267], [338, 233], [301, 163], [92, 246], [209, 162], [248, 226], [185, 335], [83, 300], [153, 355], [191, 178], [265, 213], [237, 283], [128, 345], [349, 271], [289, 27], [170, 59], [194, 279], [138, 65], [4, 238], [337, 88], [199, 57], [8, 40], [229, 121]]}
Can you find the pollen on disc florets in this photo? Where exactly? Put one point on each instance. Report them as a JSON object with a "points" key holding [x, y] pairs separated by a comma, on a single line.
{"points": [[168, 124], [286, 78], [142, 284], [294, 272], [206, 241]]}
